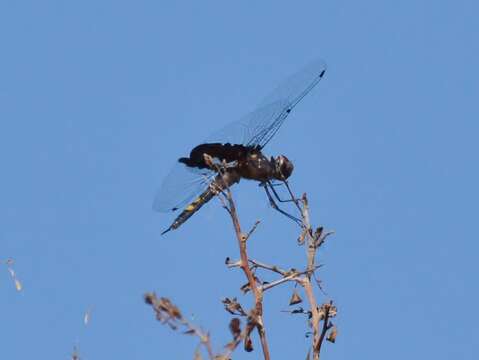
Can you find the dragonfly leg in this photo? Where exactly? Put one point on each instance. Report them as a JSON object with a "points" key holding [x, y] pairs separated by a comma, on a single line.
{"points": [[277, 208], [276, 195]]}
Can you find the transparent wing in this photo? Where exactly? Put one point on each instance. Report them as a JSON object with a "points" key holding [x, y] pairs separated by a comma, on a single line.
{"points": [[295, 87], [181, 186], [245, 130], [258, 127]]}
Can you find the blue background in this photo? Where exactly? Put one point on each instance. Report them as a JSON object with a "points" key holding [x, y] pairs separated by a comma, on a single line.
{"points": [[97, 99]]}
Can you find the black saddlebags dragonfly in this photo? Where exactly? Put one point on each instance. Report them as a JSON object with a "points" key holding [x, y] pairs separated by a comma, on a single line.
{"points": [[239, 145]]}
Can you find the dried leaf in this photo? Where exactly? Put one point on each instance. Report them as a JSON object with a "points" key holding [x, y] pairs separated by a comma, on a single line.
{"points": [[233, 306], [248, 344], [299, 310], [167, 306], [165, 310], [235, 328], [245, 288], [329, 309], [318, 232], [295, 299], [301, 237], [332, 335]]}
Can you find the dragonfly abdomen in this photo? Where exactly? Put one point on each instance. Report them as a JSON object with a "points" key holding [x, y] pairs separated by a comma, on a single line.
{"points": [[193, 207], [227, 179]]}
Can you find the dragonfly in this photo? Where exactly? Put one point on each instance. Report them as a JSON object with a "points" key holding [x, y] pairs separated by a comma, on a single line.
{"points": [[238, 147]]}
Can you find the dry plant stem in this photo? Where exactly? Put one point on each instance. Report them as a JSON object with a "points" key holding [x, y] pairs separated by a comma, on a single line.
{"points": [[306, 281], [205, 339], [259, 265], [257, 291], [169, 314], [315, 317], [310, 243], [273, 268], [279, 282], [294, 276]]}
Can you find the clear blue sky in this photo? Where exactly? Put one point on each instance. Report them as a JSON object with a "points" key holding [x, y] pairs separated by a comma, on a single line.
{"points": [[98, 98]]}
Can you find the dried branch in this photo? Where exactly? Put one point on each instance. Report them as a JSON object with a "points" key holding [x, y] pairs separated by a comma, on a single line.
{"points": [[256, 314], [273, 268], [168, 313], [313, 241], [319, 317], [279, 282]]}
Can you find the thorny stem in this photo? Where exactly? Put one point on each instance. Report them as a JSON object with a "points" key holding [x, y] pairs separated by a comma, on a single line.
{"points": [[257, 291]]}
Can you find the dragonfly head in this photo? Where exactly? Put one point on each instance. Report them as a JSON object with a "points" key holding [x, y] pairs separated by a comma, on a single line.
{"points": [[283, 167]]}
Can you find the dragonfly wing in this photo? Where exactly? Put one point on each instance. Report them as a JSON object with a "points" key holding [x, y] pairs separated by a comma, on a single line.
{"points": [[258, 127], [245, 130], [181, 186], [290, 92], [295, 87]]}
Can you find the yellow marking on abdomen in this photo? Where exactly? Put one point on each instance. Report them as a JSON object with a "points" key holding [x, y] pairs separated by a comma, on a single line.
{"points": [[193, 205]]}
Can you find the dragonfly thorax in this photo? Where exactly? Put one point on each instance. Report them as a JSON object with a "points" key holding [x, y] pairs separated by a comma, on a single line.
{"points": [[256, 166]]}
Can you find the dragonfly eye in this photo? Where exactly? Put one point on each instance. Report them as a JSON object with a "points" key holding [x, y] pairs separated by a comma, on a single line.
{"points": [[284, 167]]}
